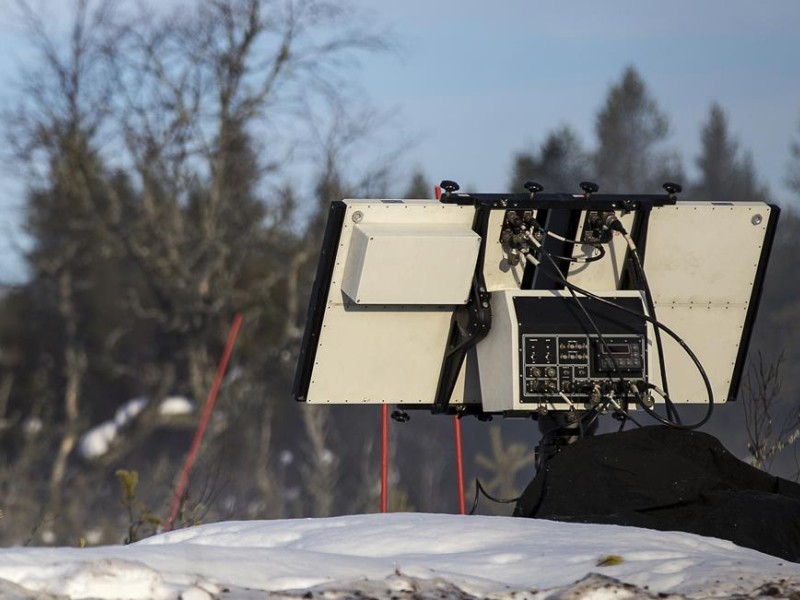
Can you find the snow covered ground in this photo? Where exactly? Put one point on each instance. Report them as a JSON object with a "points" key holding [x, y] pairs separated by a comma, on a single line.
{"points": [[398, 556]]}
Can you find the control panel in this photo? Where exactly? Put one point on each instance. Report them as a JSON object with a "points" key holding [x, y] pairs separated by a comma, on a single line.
{"points": [[573, 364], [574, 350]]}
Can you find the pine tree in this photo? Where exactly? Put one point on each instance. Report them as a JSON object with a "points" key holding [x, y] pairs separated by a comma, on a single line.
{"points": [[559, 165], [725, 176], [793, 172], [418, 187], [631, 131]]}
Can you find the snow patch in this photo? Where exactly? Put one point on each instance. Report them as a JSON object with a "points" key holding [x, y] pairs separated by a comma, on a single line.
{"points": [[130, 410], [176, 405], [98, 440], [404, 556]]}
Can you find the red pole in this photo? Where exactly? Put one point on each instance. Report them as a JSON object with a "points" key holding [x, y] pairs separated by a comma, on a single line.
{"points": [[385, 459], [201, 427], [459, 466]]}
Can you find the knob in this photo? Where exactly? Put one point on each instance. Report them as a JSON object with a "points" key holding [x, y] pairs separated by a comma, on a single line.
{"points": [[589, 188], [533, 187], [449, 186], [672, 188], [401, 416]]}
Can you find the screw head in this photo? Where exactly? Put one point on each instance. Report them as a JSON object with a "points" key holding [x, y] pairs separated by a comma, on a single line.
{"points": [[756, 220], [358, 216]]}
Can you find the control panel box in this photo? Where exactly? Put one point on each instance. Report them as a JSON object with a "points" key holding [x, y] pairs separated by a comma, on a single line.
{"points": [[565, 351]]}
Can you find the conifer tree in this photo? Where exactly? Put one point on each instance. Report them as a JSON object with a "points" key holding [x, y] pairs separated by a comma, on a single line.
{"points": [[725, 174], [793, 172], [418, 187], [631, 131], [559, 165]]}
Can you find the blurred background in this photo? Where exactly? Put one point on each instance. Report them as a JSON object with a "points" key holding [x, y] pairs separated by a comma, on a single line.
{"points": [[168, 165]]}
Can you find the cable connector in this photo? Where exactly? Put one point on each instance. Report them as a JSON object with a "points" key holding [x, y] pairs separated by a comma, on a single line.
{"points": [[614, 224]]}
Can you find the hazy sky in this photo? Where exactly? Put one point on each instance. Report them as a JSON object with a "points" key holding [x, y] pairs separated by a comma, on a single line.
{"points": [[474, 81], [480, 80]]}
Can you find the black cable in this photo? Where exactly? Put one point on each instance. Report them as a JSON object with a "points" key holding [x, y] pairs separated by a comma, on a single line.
{"points": [[583, 259], [668, 331], [540, 500], [480, 490], [683, 345], [616, 225], [626, 415], [618, 407], [561, 238], [672, 411]]}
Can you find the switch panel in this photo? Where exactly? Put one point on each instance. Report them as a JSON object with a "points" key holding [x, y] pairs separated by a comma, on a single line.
{"points": [[572, 347]]}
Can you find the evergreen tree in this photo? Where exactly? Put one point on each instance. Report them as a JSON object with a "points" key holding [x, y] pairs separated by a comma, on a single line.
{"points": [[418, 187], [560, 164], [793, 173], [631, 131], [725, 176]]}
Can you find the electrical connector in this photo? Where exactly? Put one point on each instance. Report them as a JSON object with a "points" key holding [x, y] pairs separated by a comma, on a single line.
{"points": [[614, 224]]}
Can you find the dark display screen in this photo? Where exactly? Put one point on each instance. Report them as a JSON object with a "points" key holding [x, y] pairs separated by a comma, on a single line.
{"points": [[619, 348]]}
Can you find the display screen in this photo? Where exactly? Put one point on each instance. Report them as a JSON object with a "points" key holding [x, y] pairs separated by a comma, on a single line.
{"points": [[619, 348]]}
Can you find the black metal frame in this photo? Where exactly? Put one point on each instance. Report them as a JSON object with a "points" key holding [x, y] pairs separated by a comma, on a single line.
{"points": [[755, 299], [468, 325], [560, 213], [541, 201], [319, 297]]}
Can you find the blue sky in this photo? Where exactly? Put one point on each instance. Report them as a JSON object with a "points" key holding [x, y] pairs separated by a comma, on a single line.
{"points": [[472, 82], [480, 80]]}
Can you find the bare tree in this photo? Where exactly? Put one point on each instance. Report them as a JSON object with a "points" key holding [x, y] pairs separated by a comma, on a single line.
{"points": [[52, 132], [156, 145], [504, 464], [320, 472], [770, 430]]}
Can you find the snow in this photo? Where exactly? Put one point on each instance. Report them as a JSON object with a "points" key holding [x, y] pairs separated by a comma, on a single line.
{"points": [[129, 411], [175, 405], [400, 555], [98, 440]]}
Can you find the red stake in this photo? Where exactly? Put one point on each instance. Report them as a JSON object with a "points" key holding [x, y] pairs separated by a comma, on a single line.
{"points": [[385, 459], [201, 427], [459, 466]]}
